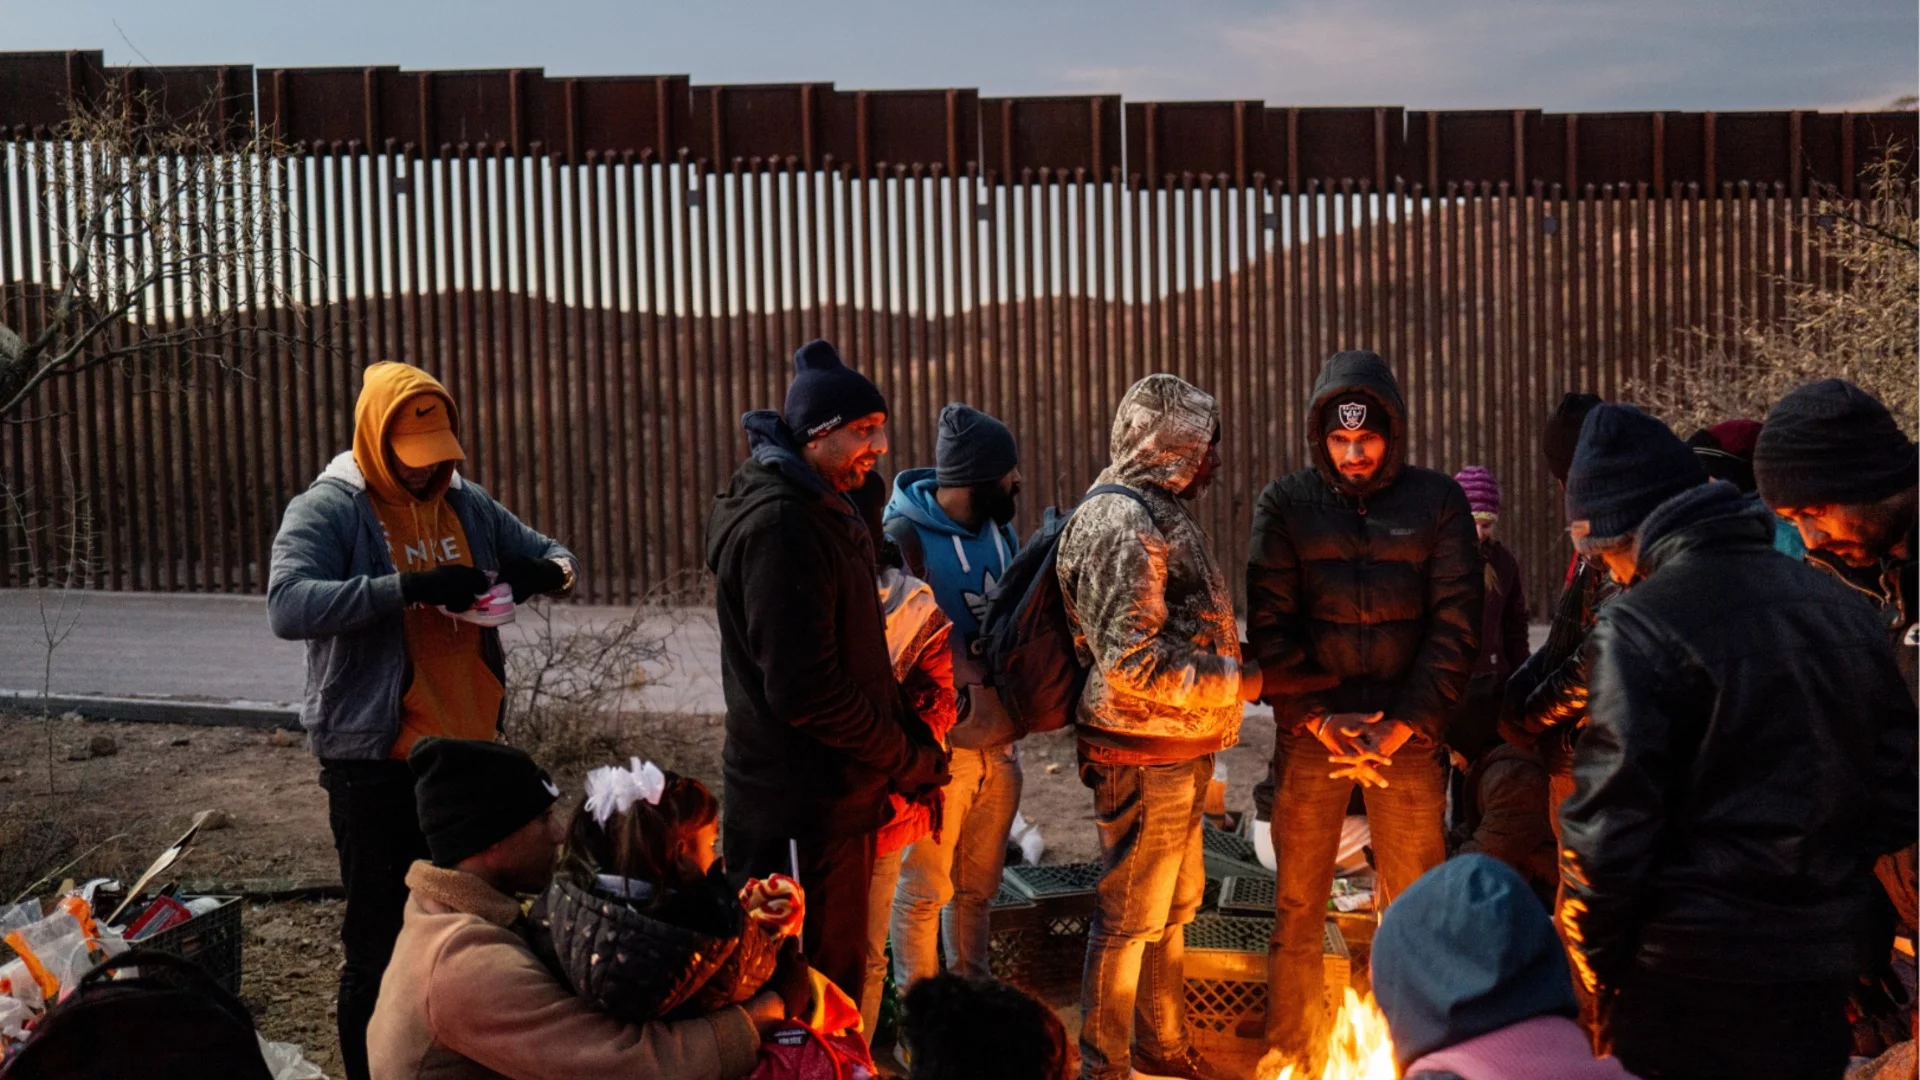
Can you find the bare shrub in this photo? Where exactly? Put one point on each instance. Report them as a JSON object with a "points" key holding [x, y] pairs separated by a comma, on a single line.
{"points": [[1862, 329]]}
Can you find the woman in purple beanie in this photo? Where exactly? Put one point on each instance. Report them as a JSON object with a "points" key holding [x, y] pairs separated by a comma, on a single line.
{"points": [[1502, 802]]}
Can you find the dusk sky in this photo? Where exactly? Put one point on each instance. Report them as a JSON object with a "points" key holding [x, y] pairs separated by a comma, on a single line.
{"points": [[1560, 55]]}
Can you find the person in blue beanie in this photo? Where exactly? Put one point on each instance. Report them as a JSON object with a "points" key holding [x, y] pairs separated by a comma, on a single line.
{"points": [[1749, 754], [818, 732], [1474, 983], [953, 523]]}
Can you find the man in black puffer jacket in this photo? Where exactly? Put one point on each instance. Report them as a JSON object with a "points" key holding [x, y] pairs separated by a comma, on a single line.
{"points": [[1363, 608], [1750, 752], [817, 731]]}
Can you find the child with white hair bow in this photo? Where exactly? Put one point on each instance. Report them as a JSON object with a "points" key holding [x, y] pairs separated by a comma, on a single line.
{"points": [[641, 920]]}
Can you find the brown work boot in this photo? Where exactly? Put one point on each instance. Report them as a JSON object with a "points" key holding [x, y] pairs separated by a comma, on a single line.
{"points": [[1184, 1064]]}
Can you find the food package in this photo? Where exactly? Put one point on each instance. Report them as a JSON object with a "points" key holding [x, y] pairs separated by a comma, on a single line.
{"points": [[777, 903], [49, 948], [492, 608]]}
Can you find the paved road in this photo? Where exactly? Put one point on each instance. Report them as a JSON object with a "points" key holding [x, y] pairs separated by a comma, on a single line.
{"points": [[194, 648], [218, 649]]}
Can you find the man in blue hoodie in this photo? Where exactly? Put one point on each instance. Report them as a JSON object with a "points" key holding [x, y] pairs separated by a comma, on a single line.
{"points": [[951, 522]]}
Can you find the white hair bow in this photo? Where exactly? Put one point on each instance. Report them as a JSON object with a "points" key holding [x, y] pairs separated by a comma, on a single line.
{"points": [[612, 790]]}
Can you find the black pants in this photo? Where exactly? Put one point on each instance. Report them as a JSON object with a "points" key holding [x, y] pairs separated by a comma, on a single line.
{"points": [[1665, 1027], [836, 875], [376, 831]]}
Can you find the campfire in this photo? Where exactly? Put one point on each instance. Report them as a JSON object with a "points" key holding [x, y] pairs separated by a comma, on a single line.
{"points": [[1358, 1047]]}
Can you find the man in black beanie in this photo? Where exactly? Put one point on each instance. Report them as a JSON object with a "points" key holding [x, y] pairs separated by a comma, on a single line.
{"points": [[1713, 900], [818, 733], [953, 523], [1832, 461], [467, 998], [1547, 695]]}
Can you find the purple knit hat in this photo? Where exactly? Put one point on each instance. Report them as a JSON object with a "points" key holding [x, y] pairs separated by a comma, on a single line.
{"points": [[1483, 491]]}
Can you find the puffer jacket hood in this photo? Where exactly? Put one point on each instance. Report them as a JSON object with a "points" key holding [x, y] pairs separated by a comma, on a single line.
{"points": [[1150, 608], [1466, 950], [688, 954], [1358, 371], [1161, 433]]}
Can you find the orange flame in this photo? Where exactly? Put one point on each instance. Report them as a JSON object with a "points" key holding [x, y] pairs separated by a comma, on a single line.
{"points": [[1358, 1047]]}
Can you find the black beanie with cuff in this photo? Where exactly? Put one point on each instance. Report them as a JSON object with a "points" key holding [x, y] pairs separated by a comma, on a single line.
{"points": [[472, 794], [973, 448], [826, 394]]}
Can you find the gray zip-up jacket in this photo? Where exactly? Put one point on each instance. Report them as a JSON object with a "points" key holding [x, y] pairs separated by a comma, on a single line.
{"points": [[334, 586]]}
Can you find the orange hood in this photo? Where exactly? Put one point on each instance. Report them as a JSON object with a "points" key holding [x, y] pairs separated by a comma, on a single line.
{"points": [[387, 387]]}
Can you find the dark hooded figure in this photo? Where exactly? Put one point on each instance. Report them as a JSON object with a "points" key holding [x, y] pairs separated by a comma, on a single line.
{"points": [[1364, 602]]}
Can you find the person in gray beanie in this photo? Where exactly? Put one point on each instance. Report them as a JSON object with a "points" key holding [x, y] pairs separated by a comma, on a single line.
{"points": [[1713, 901], [953, 524]]}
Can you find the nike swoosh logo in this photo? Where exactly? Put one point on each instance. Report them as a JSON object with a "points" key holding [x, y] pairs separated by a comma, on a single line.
{"points": [[423, 412]]}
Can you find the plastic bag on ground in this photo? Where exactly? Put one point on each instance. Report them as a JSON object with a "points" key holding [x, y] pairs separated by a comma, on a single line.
{"points": [[286, 1062]]}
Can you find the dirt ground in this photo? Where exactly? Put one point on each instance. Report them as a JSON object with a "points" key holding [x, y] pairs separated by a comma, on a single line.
{"points": [[110, 815]]}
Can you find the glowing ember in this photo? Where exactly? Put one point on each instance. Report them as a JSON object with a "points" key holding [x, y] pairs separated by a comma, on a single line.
{"points": [[1358, 1047]]}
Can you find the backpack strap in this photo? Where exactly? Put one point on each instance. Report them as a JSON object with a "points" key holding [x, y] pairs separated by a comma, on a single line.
{"points": [[1120, 489]]}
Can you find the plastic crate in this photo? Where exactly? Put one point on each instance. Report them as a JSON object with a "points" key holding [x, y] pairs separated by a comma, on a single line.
{"points": [[1051, 882], [212, 940], [1230, 855], [1253, 896], [1226, 971], [1040, 920]]}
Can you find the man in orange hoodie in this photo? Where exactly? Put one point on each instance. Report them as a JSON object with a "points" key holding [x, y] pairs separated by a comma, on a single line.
{"points": [[371, 564]]}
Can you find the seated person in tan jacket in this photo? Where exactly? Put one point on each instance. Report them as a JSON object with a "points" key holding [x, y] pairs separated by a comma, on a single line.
{"points": [[465, 998]]}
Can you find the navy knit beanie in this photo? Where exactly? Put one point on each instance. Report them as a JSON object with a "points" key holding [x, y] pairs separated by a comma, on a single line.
{"points": [[1468, 949], [974, 448], [1627, 463], [1562, 432], [1831, 443], [826, 393]]}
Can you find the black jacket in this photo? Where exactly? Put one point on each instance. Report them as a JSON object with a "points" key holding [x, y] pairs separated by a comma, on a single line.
{"points": [[1750, 752], [817, 730], [1364, 599], [1548, 694]]}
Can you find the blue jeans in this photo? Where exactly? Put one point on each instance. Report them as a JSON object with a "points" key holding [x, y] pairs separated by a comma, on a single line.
{"points": [[947, 883], [1153, 882], [1308, 807]]}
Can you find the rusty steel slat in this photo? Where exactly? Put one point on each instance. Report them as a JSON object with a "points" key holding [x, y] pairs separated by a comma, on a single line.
{"points": [[1088, 359], [1470, 365], [245, 478], [379, 284], [1045, 301], [786, 181], [763, 267], [692, 345], [1543, 394], [918, 353], [537, 300], [1422, 296], [1185, 305], [997, 350], [631, 515], [942, 366], [13, 312], [1345, 255], [724, 359], [480, 417], [594, 413], [654, 251], [674, 370]]}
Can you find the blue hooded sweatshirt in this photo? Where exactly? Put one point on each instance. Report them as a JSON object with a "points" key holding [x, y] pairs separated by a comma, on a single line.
{"points": [[963, 567]]}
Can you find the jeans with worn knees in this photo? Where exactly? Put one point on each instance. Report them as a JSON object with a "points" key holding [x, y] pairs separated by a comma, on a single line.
{"points": [[947, 883], [1309, 806], [886, 871], [1152, 882]]}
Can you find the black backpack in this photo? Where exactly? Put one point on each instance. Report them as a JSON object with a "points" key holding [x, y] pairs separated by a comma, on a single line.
{"points": [[169, 1022], [1026, 639]]}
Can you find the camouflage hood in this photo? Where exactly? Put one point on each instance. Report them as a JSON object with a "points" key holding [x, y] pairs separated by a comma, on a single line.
{"points": [[1161, 432], [1152, 615]]}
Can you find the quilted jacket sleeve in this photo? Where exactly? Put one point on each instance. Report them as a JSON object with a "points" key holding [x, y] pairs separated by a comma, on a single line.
{"points": [[1437, 678], [1276, 625]]}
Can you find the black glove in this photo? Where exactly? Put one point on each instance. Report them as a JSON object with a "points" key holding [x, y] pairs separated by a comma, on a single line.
{"points": [[533, 577], [791, 979], [928, 771], [452, 587]]}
